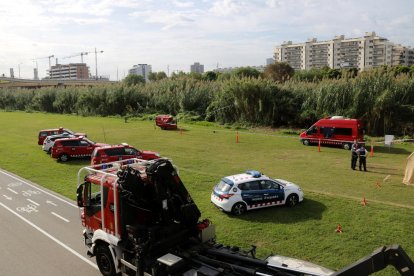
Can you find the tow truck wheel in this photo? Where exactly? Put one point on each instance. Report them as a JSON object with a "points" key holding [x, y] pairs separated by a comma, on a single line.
{"points": [[238, 209], [63, 157], [292, 200], [305, 142], [104, 260]]}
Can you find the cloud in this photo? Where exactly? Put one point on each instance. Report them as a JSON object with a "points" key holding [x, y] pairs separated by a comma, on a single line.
{"points": [[182, 4], [225, 8]]}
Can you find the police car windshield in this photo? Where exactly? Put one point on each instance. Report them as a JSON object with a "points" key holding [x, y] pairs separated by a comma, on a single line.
{"points": [[223, 186]]}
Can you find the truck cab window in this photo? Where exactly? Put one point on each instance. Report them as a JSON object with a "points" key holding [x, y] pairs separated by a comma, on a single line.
{"points": [[312, 130]]}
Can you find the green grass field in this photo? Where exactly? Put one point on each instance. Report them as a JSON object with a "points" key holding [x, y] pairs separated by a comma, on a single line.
{"points": [[333, 192]]}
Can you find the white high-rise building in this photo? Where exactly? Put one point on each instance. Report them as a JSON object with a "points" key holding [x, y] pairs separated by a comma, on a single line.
{"points": [[141, 70], [365, 52]]}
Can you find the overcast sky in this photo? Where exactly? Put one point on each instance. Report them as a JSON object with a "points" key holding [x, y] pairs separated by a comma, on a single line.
{"points": [[173, 34]]}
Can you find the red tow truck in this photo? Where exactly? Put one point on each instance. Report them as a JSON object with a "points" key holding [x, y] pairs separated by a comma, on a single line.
{"points": [[139, 219], [166, 122]]}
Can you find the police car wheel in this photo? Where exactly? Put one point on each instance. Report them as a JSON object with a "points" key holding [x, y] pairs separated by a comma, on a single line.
{"points": [[347, 146], [292, 200], [305, 142], [238, 209], [63, 158]]}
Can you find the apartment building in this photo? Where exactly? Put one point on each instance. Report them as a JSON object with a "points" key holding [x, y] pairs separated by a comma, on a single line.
{"points": [[365, 52], [197, 68], [141, 70], [75, 71]]}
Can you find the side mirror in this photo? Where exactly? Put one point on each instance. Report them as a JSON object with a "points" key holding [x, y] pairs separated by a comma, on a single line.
{"points": [[79, 195]]}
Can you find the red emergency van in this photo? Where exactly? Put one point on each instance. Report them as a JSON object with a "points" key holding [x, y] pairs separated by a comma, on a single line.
{"points": [[336, 130]]}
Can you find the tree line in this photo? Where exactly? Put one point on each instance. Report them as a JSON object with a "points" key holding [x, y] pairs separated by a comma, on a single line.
{"points": [[279, 97]]}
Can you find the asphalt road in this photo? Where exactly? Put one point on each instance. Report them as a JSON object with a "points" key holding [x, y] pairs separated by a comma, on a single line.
{"points": [[40, 232]]}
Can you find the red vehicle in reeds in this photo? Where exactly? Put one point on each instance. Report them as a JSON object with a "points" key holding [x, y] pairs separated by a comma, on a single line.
{"points": [[166, 122]]}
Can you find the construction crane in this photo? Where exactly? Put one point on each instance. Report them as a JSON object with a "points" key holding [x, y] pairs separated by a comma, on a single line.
{"points": [[78, 54], [49, 57]]}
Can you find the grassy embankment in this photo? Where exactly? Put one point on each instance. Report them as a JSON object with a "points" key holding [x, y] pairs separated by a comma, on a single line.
{"points": [[333, 192]]}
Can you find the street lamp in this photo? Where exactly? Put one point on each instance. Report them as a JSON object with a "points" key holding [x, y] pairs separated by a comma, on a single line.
{"points": [[96, 63]]}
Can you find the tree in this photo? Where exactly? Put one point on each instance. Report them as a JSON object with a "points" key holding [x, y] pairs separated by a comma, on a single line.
{"points": [[133, 79], [279, 71], [246, 72], [210, 76], [156, 76], [161, 75]]}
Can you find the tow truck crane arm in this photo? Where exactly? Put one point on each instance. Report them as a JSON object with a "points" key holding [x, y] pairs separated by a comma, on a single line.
{"points": [[382, 257]]}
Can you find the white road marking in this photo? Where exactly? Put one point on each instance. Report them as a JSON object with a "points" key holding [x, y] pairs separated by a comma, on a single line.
{"points": [[9, 198], [44, 191], [28, 209], [51, 237], [35, 203], [51, 203], [13, 191], [62, 218], [14, 184], [30, 193]]}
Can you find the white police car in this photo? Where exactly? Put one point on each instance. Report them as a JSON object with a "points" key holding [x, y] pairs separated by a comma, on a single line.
{"points": [[252, 190]]}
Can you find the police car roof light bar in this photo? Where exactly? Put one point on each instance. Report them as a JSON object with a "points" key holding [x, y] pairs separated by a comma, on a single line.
{"points": [[255, 174]]}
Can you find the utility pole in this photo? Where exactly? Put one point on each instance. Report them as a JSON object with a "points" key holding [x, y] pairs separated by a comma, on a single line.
{"points": [[96, 63], [19, 68]]}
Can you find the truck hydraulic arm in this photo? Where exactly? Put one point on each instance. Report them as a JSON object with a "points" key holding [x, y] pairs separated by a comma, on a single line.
{"points": [[382, 257]]}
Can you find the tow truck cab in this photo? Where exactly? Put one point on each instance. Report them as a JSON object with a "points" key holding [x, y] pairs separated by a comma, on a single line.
{"points": [[166, 122], [335, 130], [134, 203]]}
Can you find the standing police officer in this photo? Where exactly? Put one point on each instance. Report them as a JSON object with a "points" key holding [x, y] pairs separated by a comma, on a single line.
{"points": [[354, 154], [362, 152]]}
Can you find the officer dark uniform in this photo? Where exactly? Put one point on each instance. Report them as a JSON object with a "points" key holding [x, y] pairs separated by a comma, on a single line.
{"points": [[354, 155], [362, 152]]}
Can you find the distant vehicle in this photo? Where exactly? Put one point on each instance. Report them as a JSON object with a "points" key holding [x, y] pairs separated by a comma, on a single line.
{"points": [[253, 190], [335, 130], [77, 147], [50, 140], [123, 151], [54, 131], [166, 122]]}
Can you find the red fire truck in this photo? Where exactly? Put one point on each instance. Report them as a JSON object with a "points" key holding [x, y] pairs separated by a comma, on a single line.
{"points": [[335, 130]]}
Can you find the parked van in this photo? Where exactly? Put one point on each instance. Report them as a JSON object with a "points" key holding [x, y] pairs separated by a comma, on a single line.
{"points": [[335, 130]]}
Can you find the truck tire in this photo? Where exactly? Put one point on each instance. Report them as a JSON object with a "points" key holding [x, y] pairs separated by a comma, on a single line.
{"points": [[63, 157], [305, 142], [104, 260], [347, 146], [292, 200], [238, 209]]}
